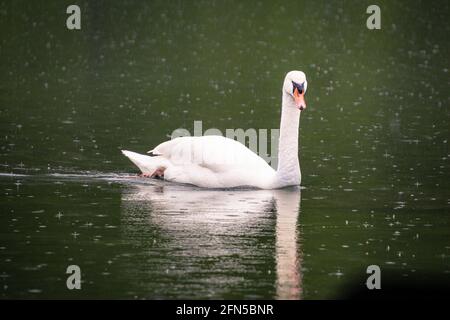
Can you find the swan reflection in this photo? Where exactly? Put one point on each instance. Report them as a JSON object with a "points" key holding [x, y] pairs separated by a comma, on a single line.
{"points": [[221, 236]]}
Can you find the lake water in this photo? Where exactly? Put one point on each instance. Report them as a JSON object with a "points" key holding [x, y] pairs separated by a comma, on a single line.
{"points": [[373, 148]]}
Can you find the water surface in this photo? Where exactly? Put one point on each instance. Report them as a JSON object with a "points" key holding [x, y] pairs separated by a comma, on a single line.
{"points": [[373, 148]]}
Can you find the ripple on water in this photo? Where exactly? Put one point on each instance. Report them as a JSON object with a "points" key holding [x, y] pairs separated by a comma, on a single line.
{"points": [[35, 291]]}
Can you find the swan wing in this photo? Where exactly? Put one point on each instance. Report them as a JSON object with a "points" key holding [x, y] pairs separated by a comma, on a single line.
{"points": [[216, 153], [213, 162]]}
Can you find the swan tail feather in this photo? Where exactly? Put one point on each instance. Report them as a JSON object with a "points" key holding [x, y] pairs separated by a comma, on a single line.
{"points": [[147, 164]]}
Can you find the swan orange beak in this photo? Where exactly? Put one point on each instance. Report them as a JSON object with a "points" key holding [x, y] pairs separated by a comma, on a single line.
{"points": [[299, 99]]}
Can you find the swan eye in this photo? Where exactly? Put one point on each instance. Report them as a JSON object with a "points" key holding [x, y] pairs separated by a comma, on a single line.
{"points": [[300, 87]]}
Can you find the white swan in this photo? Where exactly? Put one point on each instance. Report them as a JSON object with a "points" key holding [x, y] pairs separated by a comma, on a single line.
{"points": [[219, 162]]}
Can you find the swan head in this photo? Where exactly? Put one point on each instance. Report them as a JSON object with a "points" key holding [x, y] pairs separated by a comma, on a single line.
{"points": [[295, 86]]}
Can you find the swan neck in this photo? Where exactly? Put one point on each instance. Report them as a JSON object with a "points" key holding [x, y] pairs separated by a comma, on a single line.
{"points": [[288, 172]]}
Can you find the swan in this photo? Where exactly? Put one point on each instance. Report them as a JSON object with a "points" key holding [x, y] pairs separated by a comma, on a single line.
{"points": [[220, 162]]}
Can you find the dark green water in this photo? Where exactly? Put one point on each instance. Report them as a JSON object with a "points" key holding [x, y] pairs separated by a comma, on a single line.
{"points": [[373, 147]]}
